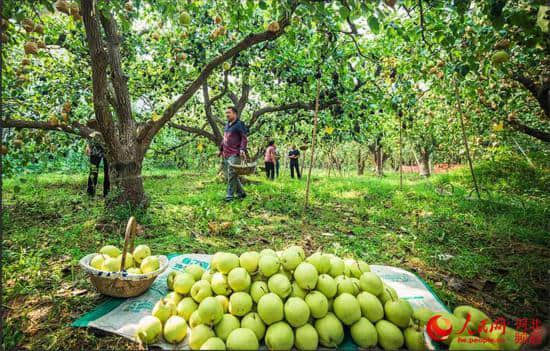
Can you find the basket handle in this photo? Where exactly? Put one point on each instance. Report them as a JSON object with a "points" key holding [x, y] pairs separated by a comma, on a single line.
{"points": [[128, 240]]}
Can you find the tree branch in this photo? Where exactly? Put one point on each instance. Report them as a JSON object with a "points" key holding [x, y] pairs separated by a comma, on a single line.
{"points": [[535, 133], [194, 130], [73, 128], [541, 93], [152, 129]]}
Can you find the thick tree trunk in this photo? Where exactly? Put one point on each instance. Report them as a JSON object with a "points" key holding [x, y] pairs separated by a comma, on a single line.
{"points": [[424, 163], [128, 184]]}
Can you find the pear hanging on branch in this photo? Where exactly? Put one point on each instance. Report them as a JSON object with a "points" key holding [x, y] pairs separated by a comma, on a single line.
{"points": [[31, 48], [28, 25], [62, 6], [273, 27]]}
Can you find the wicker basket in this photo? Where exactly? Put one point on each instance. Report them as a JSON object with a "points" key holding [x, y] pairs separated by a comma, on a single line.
{"points": [[244, 168], [122, 284]]}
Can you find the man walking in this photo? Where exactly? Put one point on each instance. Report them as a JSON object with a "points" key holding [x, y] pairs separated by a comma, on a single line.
{"points": [[294, 154], [269, 159], [232, 148]]}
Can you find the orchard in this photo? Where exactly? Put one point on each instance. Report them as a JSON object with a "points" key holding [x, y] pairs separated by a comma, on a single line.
{"points": [[295, 168]]}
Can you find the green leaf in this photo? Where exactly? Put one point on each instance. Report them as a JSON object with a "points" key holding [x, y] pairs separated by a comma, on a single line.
{"points": [[373, 24], [262, 5]]}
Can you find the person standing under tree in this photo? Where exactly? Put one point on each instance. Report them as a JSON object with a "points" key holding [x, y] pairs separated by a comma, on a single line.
{"points": [[269, 159], [294, 154], [96, 153], [232, 148]]}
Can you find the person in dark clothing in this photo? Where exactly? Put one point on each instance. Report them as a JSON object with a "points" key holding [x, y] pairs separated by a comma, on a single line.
{"points": [[232, 149], [96, 153], [269, 159], [294, 154]]}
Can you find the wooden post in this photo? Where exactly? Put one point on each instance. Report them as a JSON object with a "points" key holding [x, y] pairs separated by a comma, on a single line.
{"points": [[400, 152], [461, 114], [314, 134]]}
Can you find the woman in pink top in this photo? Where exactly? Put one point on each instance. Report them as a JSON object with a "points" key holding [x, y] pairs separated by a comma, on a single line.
{"points": [[269, 159]]}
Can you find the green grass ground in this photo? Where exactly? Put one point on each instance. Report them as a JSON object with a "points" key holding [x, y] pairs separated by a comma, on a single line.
{"points": [[493, 254]]}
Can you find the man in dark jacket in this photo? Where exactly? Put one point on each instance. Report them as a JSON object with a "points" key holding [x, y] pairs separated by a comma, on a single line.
{"points": [[294, 155], [232, 148]]}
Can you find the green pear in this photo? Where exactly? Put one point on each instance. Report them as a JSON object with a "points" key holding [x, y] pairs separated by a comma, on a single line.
{"points": [[225, 262], [175, 330], [213, 344], [148, 330], [399, 312], [207, 275], [173, 297], [389, 335], [254, 322], [370, 282], [111, 264], [330, 330], [242, 339], [240, 303], [414, 339], [506, 341], [214, 262], [297, 291], [268, 265], [238, 279], [129, 260], [337, 266], [318, 304], [97, 261], [195, 319], [291, 258], [300, 251], [364, 333], [201, 290], [164, 310], [134, 270], [210, 310], [227, 324], [422, 315], [270, 308], [280, 285], [306, 276], [347, 309], [224, 302], [279, 336], [183, 282], [286, 273], [356, 268], [476, 316], [170, 279], [320, 261], [219, 284], [258, 289], [388, 293], [199, 335], [195, 270], [268, 252], [306, 338], [140, 252], [296, 312], [149, 264], [110, 250], [327, 285], [371, 308], [345, 285], [185, 307], [249, 261]]}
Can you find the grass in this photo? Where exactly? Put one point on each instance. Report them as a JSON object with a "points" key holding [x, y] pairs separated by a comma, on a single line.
{"points": [[492, 253]]}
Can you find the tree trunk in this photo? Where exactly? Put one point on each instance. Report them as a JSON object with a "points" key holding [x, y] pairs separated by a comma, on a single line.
{"points": [[128, 184], [360, 163], [424, 163]]}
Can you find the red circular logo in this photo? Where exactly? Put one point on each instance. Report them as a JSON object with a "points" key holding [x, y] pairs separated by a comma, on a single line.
{"points": [[436, 332]]}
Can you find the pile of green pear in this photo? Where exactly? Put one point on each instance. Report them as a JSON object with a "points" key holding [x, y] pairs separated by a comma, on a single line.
{"points": [[286, 301], [140, 261]]}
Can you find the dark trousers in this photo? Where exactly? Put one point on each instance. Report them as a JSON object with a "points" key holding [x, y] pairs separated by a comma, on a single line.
{"points": [[270, 170], [294, 166], [277, 168], [94, 171]]}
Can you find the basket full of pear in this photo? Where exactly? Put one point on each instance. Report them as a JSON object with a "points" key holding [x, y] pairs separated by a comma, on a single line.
{"points": [[125, 273]]}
